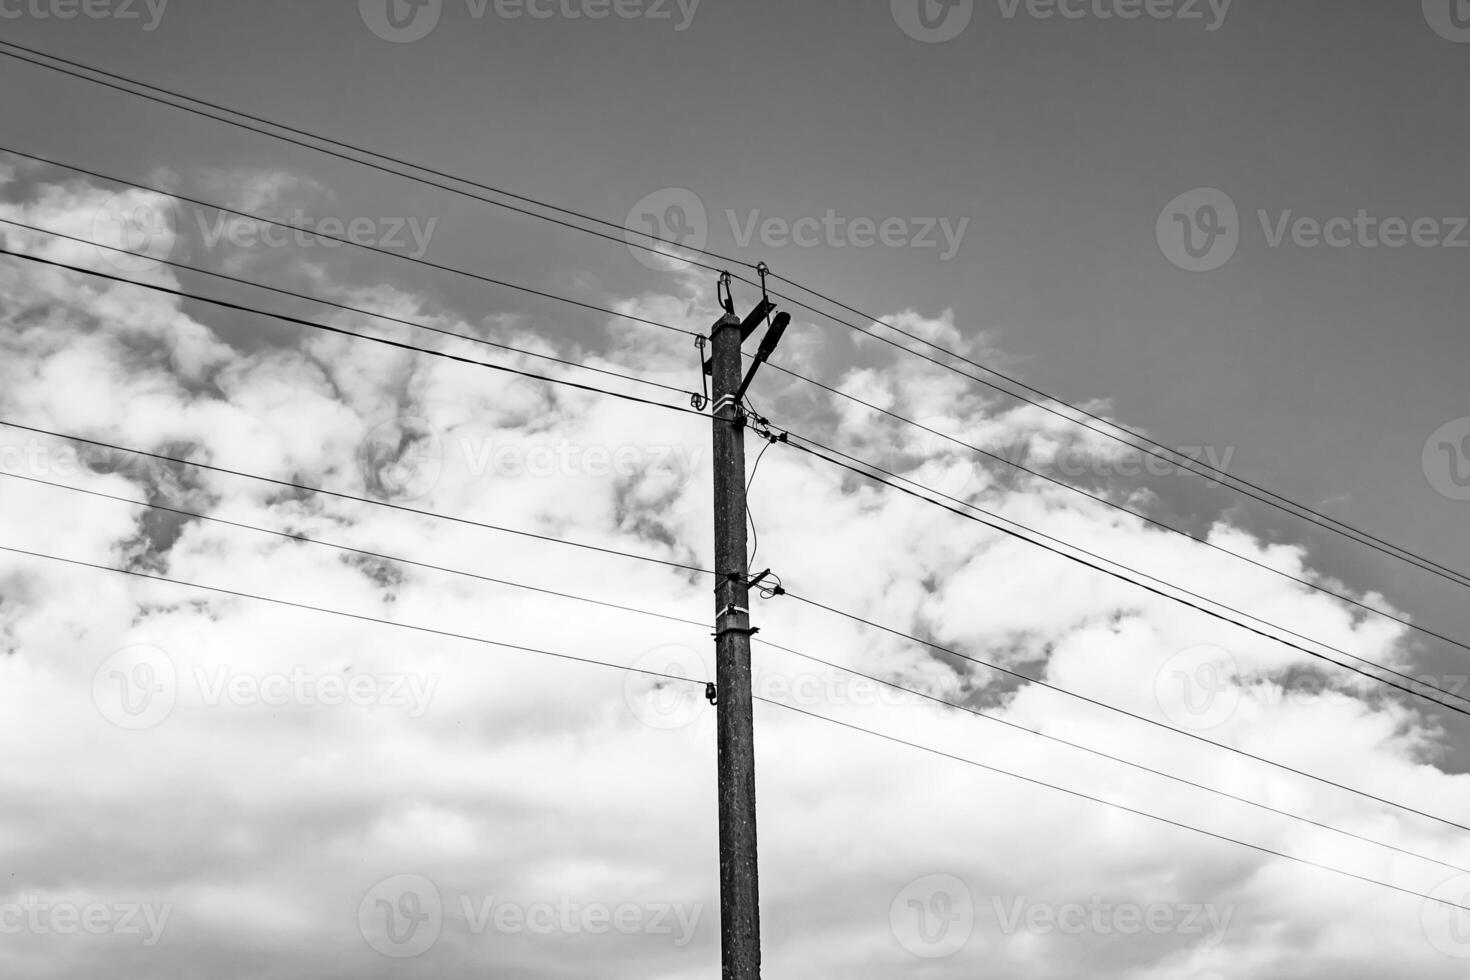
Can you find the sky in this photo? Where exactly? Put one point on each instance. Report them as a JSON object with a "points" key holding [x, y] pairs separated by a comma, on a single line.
{"points": [[1231, 226]]}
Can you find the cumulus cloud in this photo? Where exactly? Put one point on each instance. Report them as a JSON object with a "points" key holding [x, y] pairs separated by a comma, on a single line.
{"points": [[283, 790]]}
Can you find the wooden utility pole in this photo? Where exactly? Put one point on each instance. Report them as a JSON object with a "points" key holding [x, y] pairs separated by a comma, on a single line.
{"points": [[740, 932]]}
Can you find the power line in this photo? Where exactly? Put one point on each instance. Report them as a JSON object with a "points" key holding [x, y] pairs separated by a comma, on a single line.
{"points": [[1117, 806], [349, 333], [674, 564], [327, 236], [854, 617], [1099, 498], [1113, 758], [1200, 469], [347, 615], [673, 677], [643, 381], [1270, 497], [356, 149], [1118, 575], [303, 539], [692, 395], [355, 309], [356, 499]]}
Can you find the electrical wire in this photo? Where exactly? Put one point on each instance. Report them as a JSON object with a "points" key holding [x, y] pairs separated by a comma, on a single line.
{"points": [[1197, 468], [389, 505], [756, 546], [348, 549], [327, 236], [1117, 806], [354, 309], [1226, 794], [1200, 469], [809, 657], [1099, 498], [348, 615], [356, 149], [303, 539], [238, 307], [796, 439], [854, 617]]}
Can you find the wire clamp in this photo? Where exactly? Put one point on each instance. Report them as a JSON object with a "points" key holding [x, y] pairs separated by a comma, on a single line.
{"points": [[712, 694]]}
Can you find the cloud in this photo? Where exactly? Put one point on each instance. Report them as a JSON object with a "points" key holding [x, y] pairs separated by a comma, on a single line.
{"points": [[259, 769]]}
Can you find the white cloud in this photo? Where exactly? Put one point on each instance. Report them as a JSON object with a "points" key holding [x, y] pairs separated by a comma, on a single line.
{"points": [[262, 826]]}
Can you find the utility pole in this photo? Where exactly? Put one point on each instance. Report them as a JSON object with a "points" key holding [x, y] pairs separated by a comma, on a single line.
{"points": [[740, 938]]}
